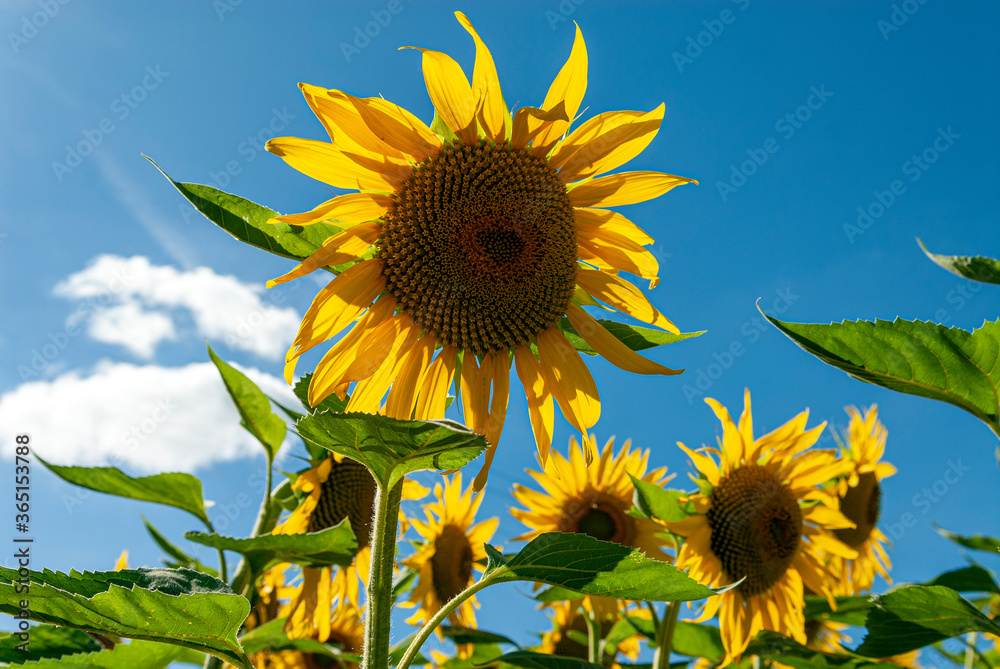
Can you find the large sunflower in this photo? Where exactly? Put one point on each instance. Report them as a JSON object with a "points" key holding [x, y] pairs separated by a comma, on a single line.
{"points": [[592, 500], [476, 236], [335, 488], [761, 516], [452, 549], [860, 499]]}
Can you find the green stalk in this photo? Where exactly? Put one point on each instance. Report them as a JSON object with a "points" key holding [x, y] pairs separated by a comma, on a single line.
{"points": [[438, 618], [664, 645], [379, 600], [593, 637]]}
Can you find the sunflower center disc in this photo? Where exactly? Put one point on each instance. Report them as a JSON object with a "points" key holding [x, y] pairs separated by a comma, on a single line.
{"points": [[452, 562], [861, 504], [479, 246], [598, 515], [756, 526], [348, 492]]}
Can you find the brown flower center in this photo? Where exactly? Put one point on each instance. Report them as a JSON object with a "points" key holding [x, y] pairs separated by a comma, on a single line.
{"points": [[861, 504], [452, 562], [756, 527], [348, 492], [599, 515], [479, 246]]}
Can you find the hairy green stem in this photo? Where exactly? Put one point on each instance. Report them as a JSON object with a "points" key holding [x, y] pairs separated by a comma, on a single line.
{"points": [[593, 637], [664, 645], [379, 601], [439, 617]]}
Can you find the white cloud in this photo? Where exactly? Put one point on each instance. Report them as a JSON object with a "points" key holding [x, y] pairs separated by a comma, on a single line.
{"points": [[222, 307], [143, 418]]}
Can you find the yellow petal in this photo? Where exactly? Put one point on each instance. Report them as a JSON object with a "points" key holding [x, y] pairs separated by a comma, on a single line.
{"points": [[486, 86], [497, 366], [523, 132], [568, 88], [605, 142], [338, 304], [624, 188], [475, 393], [403, 394], [623, 296], [610, 347], [569, 379], [375, 348], [617, 251], [337, 249], [343, 211], [540, 408], [322, 161], [347, 129], [450, 93], [434, 393], [369, 392], [397, 127], [612, 221]]}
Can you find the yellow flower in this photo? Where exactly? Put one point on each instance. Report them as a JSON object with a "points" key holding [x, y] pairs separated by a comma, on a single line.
{"points": [[335, 488], [860, 496], [346, 630], [760, 516], [570, 617], [452, 549], [476, 237], [591, 500]]}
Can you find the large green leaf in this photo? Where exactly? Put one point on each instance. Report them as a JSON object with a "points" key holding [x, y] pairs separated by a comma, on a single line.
{"points": [[247, 222], [254, 407], [334, 545], [462, 635], [179, 559], [176, 489], [773, 646], [176, 606], [529, 660], [45, 641], [850, 610], [661, 503], [977, 542], [914, 616], [698, 641], [967, 579], [914, 357], [977, 268], [391, 448], [330, 403], [272, 636], [635, 337], [144, 654], [586, 565]]}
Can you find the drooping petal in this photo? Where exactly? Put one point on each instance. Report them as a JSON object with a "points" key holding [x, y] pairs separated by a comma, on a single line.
{"points": [[499, 369], [569, 379], [623, 296], [369, 392], [343, 211], [403, 394], [397, 127], [486, 86], [540, 408], [610, 347], [322, 161], [612, 221], [624, 188], [347, 129], [475, 393], [605, 142], [450, 93], [337, 249], [617, 251], [434, 392], [523, 132], [568, 88]]}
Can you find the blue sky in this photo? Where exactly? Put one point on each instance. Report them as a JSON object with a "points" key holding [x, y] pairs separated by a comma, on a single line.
{"points": [[797, 119]]}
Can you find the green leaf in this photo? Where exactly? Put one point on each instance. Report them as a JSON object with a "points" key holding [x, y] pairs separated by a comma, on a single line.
{"points": [[581, 563], [473, 636], [773, 646], [554, 594], [967, 579], [331, 403], [254, 407], [660, 503], [441, 129], [391, 448], [530, 660], [180, 607], [247, 222], [46, 641], [913, 357], [179, 490], [695, 640], [272, 636], [181, 560], [977, 542], [145, 654], [334, 545], [977, 268], [914, 616], [483, 655], [635, 337], [850, 610], [643, 626]]}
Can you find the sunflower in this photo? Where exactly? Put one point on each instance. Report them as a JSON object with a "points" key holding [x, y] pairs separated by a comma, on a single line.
{"points": [[760, 516], [346, 631], [860, 496], [472, 239], [570, 617], [591, 500], [335, 488], [452, 549]]}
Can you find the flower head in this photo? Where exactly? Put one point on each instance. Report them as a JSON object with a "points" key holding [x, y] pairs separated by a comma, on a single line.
{"points": [[761, 517], [476, 242]]}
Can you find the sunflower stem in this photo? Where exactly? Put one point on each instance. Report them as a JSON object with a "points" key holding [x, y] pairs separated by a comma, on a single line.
{"points": [[441, 615], [593, 637], [661, 657], [379, 600]]}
